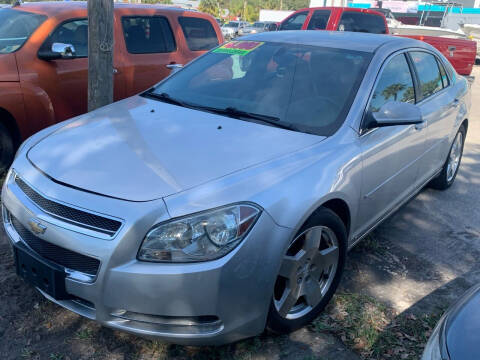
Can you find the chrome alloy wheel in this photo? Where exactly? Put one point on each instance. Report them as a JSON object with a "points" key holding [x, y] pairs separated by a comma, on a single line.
{"points": [[307, 271], [454, 157]]}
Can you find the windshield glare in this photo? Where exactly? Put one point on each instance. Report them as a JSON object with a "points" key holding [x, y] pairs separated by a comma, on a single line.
{"points": [[16, 27], [309, 88]]}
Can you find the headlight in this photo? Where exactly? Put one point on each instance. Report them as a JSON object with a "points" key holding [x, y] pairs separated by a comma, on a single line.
{"points": [[434, 350], [205, 236]]}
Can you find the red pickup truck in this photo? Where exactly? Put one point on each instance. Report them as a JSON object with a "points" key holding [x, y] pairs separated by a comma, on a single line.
{"points": [[461, 53]]}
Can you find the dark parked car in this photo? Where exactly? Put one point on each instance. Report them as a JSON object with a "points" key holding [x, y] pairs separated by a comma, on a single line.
{"points": [[457, 334]]}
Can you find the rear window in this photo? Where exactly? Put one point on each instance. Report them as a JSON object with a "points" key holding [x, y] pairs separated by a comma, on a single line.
{"points": [[148, 35], [16, 27], [199, 33], [319, 20], [362, 22]]}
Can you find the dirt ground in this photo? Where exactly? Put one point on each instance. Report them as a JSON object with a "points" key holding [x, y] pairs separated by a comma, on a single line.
{"points": [[396, 285]]}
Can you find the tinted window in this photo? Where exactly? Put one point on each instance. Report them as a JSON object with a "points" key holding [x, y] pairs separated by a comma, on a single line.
{"points": [[308, 87], [319, 20], [362, 22], [199, 33], [148, 34], [395, 84], [443, 74], [294, 22], [16, 27], [428, 73], [73, 32]]}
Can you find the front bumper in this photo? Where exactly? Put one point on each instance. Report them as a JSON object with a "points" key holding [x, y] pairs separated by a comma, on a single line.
{"points": [[204, 303]]}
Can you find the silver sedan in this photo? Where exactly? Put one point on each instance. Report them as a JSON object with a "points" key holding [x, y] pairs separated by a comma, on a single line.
{"points": [[224, 199]]}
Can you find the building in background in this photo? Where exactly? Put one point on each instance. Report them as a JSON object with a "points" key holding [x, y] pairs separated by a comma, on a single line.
{"points": [[274, 15]]}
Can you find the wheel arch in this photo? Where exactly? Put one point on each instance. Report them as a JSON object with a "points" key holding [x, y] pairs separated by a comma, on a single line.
{"points": [[7, 119], [336, 204]]}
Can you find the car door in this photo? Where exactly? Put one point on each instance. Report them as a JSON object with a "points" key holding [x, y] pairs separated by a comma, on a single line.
{"points": [[149, 47], [439, 110], [319, 20], [389, 154], [66, 80], [295, 21]]}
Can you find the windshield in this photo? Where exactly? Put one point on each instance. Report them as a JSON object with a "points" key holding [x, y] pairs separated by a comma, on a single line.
{"points": [[16, 27], [306, 88], [231, 24], [258, 25]]}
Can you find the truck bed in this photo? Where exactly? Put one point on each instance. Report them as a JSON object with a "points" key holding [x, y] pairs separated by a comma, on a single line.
{"points": [[461, 53]]}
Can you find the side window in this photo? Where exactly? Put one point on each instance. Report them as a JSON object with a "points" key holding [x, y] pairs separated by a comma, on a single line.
{"points": [[428, 73], [148, 35], [443, 74], [294, 22], [199, 33], [74, 32], [319, 20], [395, 84], [362, 22]]}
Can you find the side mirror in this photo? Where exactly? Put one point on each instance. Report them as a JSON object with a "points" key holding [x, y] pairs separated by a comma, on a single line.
{"points": [[273, 27], [58, 51], [394, 113]]}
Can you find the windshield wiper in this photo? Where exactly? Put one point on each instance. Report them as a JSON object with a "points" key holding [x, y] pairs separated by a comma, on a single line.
{"points": [[165, 98], [229, 111], [236, 113]]}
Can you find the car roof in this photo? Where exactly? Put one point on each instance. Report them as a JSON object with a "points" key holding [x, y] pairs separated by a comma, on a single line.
{"points": [[335, 39], [53, 8]]}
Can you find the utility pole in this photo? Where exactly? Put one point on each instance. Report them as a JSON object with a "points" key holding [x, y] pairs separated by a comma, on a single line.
{"points": [[100, 53]]}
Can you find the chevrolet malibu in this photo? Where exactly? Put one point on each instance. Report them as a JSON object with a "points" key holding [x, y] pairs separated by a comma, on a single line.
{"points": [[223, 200]]}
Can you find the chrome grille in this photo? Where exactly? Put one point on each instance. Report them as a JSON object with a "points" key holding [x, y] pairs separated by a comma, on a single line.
{"points": [[64, 257], [69, 214]]}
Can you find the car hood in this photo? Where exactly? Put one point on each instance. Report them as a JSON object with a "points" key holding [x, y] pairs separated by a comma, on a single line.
{"points": [[140, 149], [8, 68]]}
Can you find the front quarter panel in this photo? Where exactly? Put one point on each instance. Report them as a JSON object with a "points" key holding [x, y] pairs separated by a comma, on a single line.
{"points": [[289, 188]]}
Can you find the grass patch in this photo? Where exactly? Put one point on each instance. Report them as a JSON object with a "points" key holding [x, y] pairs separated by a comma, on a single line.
{"points": [[84, 334], [371, 244], [374, 330]]}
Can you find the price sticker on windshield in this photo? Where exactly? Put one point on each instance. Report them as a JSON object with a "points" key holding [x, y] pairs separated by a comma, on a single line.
{"points": [[238, 47]]}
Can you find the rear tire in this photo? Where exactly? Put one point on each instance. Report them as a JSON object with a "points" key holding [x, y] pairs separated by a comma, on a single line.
{"points": [[7, 149], [450, 169], [301, 294]]}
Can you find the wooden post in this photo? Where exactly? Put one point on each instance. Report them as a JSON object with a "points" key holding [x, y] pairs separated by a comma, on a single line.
{"points": [[100, 53]]}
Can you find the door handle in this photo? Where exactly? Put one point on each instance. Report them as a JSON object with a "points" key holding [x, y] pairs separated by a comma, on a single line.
{"points": [[455, 103], [174, 66]]}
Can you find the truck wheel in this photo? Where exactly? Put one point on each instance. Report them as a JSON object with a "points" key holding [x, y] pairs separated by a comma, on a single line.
{"points": [[450, 169], [310, 272], [6, 149]]}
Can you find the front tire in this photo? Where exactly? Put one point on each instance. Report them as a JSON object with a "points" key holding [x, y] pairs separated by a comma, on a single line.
{"points": [[450, 169], [310, 272]]}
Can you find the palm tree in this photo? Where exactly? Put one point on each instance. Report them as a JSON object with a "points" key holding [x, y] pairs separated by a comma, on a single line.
{"points": [[393, 91]]}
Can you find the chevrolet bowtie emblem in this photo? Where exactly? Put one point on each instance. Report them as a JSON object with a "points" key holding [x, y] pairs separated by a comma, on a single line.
{"points": [[36, 226]]}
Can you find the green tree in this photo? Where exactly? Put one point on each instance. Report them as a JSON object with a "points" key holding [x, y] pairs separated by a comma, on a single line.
{"points": [[210, 7], [392, 91]]}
